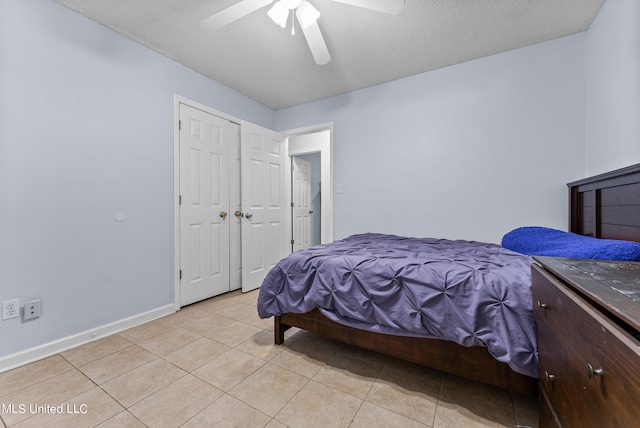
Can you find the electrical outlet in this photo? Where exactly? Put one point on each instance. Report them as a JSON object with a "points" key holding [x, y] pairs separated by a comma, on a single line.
{"points": [[10, 309], [31, 309]]}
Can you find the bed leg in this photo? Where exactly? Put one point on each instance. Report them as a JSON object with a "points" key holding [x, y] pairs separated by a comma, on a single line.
{"points": [[278, 330]]}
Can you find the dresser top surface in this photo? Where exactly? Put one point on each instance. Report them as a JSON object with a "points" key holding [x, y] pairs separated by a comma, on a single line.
{"points": [[613, 285]]}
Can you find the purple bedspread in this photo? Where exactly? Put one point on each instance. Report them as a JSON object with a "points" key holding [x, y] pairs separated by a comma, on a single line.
{"points": [[472, 293]]}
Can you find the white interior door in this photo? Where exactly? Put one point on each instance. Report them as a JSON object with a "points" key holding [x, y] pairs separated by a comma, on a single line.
{"points": [[206, 142], [301, 196], [263, 173]]}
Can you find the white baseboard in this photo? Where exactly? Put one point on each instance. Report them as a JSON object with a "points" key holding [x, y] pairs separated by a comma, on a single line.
{"points": [[39, 352]]}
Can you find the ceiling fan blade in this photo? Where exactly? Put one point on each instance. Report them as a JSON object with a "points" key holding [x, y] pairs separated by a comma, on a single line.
{"points": [[392, 7], [232, 13], [316, 44]]}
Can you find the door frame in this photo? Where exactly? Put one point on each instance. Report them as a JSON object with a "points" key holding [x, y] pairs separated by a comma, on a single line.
{"points": [[326, 172], [177, 100]]}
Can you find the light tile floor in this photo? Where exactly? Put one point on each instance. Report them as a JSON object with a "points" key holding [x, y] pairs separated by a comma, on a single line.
{"points": [[214, 364]]}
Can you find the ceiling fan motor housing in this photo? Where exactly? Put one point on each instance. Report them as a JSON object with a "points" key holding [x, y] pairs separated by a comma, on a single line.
{"points": [[291, 4]]}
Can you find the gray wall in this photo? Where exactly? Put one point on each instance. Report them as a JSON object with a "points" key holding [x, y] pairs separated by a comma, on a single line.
{"points": [[613, 87], [86, 130], [470, 151]]}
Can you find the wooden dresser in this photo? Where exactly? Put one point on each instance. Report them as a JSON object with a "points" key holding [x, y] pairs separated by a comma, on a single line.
{"points": [[588, 317]]}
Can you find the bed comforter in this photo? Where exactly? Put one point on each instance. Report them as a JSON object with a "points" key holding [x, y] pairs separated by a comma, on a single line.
{"points": [[472, 293]]}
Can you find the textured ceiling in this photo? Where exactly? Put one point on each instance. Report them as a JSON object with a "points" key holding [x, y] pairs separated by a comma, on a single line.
{"points": [[261, 60]]}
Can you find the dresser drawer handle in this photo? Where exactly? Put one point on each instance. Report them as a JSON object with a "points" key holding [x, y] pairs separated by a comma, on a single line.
{"points": [[591, 372], [542, 305], [548, 377]]}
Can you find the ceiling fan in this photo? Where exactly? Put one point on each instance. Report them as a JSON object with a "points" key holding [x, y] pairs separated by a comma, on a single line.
{"points": [[304, 11]]}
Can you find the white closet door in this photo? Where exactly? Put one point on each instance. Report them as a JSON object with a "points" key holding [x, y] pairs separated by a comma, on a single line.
{"points": [[264, 202], [301, 192], [205, 142]]}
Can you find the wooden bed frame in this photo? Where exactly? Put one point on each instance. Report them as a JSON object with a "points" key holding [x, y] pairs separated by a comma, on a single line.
{"points": [[604, 206], [607, 205]]}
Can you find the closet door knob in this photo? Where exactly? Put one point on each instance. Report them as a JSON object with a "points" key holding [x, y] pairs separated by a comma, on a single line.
{"points": [[248, 216], [223, 214], [237, 214]]}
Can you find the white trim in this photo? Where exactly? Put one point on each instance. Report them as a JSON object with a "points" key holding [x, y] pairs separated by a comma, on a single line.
{"points": [[326, 174], [39, 352], [176, 201]]}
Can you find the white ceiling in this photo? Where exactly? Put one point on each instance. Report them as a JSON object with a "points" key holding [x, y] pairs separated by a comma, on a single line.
{"points": [[261, 60]]}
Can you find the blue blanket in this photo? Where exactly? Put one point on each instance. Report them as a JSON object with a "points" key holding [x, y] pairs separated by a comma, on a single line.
{"points": [[542, 241]]}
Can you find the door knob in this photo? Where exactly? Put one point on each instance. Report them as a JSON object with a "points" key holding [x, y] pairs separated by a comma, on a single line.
{"points": [[248, 216], [223, 214], [237, 214]]}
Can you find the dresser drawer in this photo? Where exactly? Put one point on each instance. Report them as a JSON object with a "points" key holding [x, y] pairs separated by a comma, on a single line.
{"points": [[589, 366]]}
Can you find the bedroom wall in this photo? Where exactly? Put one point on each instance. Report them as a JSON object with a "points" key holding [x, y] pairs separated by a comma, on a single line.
{"points": [[86, 130], [469, 151], [613, 87]]}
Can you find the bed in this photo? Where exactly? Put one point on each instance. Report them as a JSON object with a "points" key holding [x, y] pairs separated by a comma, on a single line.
{"points": [[491, 338]]}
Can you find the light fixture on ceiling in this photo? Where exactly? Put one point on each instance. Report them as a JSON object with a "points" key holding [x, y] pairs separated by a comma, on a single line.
{"points": [[306, 13]]}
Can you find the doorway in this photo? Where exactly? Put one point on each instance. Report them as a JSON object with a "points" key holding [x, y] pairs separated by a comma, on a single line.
{"points": [[230, 202], [317, 141], [271, 245]]}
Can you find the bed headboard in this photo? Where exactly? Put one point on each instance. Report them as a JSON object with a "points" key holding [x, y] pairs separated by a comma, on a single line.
{"points": [[607, 205]]}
